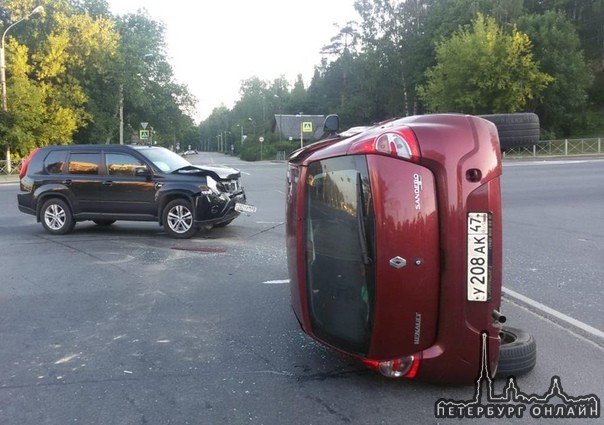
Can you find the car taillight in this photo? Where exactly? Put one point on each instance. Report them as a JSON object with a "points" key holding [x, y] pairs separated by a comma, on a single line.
{"points": [[404, 367], [25, 163], [399, 143]]}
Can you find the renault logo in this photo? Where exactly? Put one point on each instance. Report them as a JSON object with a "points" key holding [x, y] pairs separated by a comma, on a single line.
{"points": [[398, 262]]}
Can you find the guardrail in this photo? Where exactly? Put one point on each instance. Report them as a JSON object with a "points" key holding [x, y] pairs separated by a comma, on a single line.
{"points": [[566, 147], [14, 168]]}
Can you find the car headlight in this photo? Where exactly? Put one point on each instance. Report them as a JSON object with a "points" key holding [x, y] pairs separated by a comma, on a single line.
{"points": [[210, 188]]}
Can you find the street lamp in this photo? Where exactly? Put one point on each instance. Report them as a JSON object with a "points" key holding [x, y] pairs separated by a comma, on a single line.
{"points": [[241, 128], [37, 10], [276, 96], [300, 114]]}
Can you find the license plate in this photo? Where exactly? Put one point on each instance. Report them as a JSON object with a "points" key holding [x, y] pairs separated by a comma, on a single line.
{"points": [[244, 208], [479, 245]]}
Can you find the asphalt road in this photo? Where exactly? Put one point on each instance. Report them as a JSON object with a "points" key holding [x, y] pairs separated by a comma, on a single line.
{"points": [[554, 235], [123, 325]]}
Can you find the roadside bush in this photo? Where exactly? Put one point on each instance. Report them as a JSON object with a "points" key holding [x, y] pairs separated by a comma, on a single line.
{"points": [[251, 151]]}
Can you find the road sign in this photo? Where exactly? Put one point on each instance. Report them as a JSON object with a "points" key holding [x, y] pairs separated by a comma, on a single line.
{"points": [[144, 125], [261, 139], [144, 134], [307, 127]]}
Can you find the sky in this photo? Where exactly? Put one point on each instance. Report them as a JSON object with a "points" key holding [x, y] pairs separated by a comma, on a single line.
{"points": [[213, 45]]}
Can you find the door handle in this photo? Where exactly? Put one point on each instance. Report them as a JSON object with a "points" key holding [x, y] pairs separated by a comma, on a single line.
{"points": [[107, 183], [66, 182]]}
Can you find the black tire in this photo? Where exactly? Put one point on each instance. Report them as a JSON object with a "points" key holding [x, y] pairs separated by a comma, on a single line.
{"points": [[103, 222], [516, 130], [179, 219], [517, 353], [56, 217]]}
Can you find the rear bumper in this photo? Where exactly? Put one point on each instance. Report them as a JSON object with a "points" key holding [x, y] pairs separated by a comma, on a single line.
{"points": [[24, 201]]}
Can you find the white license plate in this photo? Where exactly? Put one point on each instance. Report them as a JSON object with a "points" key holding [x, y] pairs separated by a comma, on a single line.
{"points": [[244, 208], [479, 243]]}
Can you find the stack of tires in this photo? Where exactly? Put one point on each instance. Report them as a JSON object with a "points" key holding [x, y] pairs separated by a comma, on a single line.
{"points": [[516, 130]]}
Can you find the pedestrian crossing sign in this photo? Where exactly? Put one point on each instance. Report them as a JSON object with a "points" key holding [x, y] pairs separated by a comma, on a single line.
{"points": [[144, 134], [307, 127]]}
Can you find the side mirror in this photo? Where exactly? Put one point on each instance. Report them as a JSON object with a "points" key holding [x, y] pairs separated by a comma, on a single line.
{"points": [[142, 172], [331, 124]]}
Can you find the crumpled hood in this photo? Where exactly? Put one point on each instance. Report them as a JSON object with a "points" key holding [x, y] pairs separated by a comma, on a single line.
{"points": [[221, 171]]}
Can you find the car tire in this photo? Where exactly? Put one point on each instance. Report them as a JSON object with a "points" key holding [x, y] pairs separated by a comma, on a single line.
{"points": [[103, 222], [516, 130], [56, 217], [517, 353], [179, 219]]}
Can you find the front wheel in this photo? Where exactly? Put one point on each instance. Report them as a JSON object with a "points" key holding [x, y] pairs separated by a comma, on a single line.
{"points": [[179, 220], [517, 352], [56, 217]]}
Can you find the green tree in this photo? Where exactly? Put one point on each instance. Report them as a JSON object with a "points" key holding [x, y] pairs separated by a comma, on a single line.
{"points": [[481, 69], [146, 81], [556, 46], [68, 70], [45, 72]]}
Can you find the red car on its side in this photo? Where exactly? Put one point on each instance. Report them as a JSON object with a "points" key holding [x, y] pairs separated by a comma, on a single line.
{"points": [[394, 240]]}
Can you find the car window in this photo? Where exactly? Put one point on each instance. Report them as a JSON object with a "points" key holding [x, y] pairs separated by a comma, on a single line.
{"points": [[164, 159], [122, 164], [53, 163], [84, 163]]}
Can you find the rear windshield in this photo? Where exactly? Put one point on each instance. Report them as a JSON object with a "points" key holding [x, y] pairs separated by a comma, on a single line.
{"points": [[339, 249]]}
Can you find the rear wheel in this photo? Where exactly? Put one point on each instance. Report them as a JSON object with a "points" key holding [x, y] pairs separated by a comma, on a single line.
{"points": [[179, 220], [517, 352], [56, 216], [516, 130]]}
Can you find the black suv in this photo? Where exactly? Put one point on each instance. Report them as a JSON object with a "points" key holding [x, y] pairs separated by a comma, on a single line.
{"points": [[61, 185]]}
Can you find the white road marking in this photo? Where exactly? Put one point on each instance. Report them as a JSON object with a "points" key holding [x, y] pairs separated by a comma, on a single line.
{"points": [[276, 282], [558, 315], [552, 162]]}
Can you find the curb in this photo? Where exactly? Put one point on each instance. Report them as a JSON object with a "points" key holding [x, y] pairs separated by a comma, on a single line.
{"points": [[11, 178]]}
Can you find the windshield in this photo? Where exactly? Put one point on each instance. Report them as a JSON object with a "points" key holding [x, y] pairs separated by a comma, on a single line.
{"points": [[164, 159]]}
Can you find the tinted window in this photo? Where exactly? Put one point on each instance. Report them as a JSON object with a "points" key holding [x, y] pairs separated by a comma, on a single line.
{"points": [[54, 162], [84, 163], [339, 246], [122, 164]]}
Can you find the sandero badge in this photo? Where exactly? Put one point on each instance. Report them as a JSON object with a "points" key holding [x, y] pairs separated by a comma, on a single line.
{"points": [[394, 243]]}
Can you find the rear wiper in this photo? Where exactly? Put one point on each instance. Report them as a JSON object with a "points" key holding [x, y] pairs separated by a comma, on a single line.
{"points": [[361, 222]]}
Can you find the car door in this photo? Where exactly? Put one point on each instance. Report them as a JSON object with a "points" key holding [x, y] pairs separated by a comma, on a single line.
{"points": [[122, 191], [83, 181]]}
